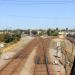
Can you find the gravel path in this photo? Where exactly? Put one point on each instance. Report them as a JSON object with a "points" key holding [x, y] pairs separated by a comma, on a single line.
{"points": [[55, 69]]}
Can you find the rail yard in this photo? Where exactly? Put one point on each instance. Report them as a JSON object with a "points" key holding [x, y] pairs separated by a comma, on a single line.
{"points": [[41, 56]]}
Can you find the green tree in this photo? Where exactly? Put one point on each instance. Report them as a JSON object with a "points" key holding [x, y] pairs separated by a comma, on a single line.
{"points": [[17, 35], [49, 32], [8, 38], [52, 32], [34, 32]]}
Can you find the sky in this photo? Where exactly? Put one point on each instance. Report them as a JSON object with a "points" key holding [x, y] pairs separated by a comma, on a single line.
{"points": [[37, 14]]}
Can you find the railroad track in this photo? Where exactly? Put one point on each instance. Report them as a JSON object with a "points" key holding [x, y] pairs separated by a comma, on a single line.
{"points": [[14, 67], [41, 63], [41, 60]]}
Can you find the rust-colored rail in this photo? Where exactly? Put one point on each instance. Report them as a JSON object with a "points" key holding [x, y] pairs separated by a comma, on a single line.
{"points": [[41, 64]]}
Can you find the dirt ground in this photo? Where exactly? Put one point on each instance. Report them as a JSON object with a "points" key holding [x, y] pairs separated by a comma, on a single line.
{"points": [[28, 68], [55, 69]]}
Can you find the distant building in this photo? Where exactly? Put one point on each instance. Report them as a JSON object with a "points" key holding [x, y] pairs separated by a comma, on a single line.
{"points": [[62, 34]]}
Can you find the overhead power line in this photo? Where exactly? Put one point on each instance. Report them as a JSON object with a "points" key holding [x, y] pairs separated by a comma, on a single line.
{"points": [[35, 2]]}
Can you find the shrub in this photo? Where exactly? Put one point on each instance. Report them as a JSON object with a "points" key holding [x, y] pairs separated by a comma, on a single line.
{"points": [[8, 38]]}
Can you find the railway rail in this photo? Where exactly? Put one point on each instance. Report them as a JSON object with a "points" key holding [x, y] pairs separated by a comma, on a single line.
{"points": [[41, 60], [16, 64], [42, 66]]}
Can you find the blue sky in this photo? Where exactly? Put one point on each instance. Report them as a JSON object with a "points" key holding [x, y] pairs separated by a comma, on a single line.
{"points": [[35, 14]]}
